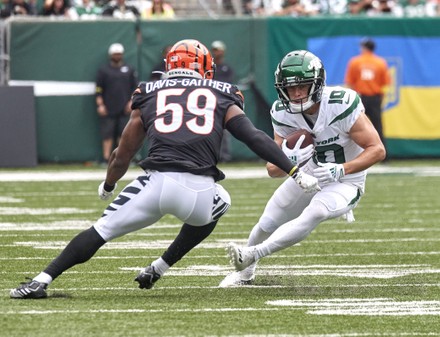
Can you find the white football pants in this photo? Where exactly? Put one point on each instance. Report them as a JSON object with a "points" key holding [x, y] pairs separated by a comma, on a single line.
{"points": [[291, 214], [193, 199]]}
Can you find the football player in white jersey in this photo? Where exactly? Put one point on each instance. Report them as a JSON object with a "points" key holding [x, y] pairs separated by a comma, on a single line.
{"points": [[345, 145]]}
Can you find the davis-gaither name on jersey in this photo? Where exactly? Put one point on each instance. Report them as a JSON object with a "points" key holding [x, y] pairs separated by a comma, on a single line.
{"points": [[187, 82]]}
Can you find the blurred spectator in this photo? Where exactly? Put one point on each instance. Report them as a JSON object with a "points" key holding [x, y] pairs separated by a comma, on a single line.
{"points": [[115, 83], [292, 8], [415, 8], [382, 7], [232, 7], [159, 68], [159, 10], [4, 9], [359, 7], [88, 10], [224, 73], [312, 7], [58, 9], [121, 10], [333, 7], [21, 7], [261, 7], [16, 7], [433, 7], [368, 75]]}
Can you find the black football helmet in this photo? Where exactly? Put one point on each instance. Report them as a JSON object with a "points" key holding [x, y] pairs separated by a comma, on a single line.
{"points": [[300, 67]]}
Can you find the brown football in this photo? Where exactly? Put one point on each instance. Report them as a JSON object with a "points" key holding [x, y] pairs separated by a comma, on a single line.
{"points": [[294, 136]]}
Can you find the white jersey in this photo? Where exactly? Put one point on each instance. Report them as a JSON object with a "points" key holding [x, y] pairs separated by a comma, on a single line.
{"points": [[339, 109]]}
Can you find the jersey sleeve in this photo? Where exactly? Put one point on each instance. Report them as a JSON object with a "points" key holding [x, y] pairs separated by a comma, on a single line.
{"points": [[137, 97], [349, 112], [280, 124], [237, 97]]}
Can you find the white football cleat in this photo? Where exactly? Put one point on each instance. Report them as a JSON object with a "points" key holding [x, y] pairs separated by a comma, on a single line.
{"points": [[241, 257], [236, 279]]}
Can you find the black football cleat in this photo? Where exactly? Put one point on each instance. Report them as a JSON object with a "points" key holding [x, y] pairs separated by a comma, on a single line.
{"points": [[147, 277], [29, 290]]}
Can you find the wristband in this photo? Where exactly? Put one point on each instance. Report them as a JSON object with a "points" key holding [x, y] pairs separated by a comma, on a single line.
{"points": [[294, 171]]}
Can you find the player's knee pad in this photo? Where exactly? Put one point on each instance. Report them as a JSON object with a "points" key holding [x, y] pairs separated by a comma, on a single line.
{"points": [[316, 212], [339, 202], [267, 224], [222, 202]]}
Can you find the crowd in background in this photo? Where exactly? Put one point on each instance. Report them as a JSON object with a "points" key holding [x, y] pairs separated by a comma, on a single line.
{"points": [[160, 9], [296, 8], [88, 9]]}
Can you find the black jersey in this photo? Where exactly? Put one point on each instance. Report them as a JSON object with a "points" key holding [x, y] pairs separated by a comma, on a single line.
{"points": [[184, 121], [116, 84]]}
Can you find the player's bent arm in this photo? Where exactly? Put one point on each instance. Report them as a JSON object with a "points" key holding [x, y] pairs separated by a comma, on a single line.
{"points": [[273, 170], [258, 141], [365, 135], [131, 141]]}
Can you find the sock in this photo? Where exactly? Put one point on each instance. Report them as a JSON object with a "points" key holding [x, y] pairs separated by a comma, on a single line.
{"points": [[160, 266], [43, 278], [79, 250], [256, 236], [187, 239]]}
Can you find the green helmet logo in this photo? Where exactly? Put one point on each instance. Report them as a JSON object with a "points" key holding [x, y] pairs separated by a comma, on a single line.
{"points": [[300, 67]]}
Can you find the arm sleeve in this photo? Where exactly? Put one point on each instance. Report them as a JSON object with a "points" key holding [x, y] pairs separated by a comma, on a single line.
{"points": [[260, 143]]}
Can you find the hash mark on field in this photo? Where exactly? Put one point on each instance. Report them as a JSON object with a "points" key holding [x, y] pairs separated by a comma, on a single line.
{"points": [[43, 211], [363, 307], [10, 200]]}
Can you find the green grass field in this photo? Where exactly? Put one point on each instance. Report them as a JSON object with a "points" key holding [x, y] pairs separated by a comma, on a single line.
{"points": [[378, 276]]}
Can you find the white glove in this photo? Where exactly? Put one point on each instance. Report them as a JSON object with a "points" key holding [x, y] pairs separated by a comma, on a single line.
{"points": [[103, 194], [329, 172], [297, 155], [307, 182]]}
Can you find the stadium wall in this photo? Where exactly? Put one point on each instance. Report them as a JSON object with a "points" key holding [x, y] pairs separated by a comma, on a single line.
{"points": [[60, 59]]}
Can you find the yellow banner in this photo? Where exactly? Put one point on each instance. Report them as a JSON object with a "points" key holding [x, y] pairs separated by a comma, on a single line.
{"points": [[416, 116]]}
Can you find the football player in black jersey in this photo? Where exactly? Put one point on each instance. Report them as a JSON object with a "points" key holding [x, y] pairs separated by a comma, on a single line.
{"points": [[182, 116]]}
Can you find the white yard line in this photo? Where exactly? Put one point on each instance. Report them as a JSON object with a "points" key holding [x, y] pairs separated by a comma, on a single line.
{"points": [[231, 173], [363, 307], [214, 256], [345, 306], [374, 272]]}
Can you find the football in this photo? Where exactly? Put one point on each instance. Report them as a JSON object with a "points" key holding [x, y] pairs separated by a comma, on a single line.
{"points": [[294, 136]]}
